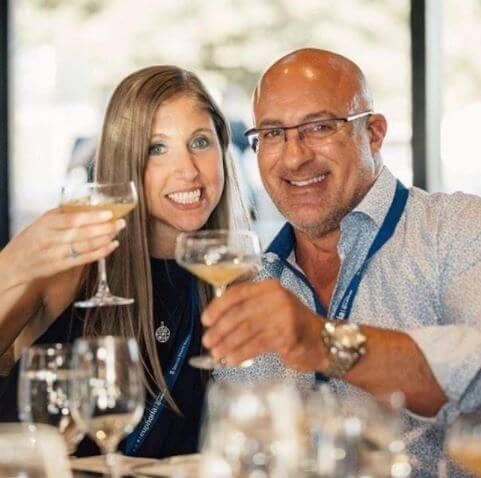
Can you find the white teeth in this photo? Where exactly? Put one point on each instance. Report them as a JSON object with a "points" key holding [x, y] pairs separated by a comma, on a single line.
{"points": [[317, 179], [189, 197]]}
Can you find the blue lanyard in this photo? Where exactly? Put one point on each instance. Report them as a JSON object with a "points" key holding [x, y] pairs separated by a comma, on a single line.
{"points": [[385, 233], [154, 410]]}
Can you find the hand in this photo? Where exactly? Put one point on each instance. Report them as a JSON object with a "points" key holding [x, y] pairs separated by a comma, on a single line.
{"points": [[251, 319], [45, 247]]}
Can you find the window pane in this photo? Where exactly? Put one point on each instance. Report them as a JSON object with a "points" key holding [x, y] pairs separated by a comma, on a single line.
{"points": [[68, 56], [462, 96]]}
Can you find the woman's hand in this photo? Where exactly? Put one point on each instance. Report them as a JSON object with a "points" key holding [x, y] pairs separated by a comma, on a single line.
{"points": [[57, 242]]}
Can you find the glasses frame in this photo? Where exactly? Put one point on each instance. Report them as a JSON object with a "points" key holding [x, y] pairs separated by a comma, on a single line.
{"points": [[299, 127]]}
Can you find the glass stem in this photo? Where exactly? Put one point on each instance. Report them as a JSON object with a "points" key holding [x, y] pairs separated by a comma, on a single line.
{"points": [[112, 460], [219, 291], [103, 288]]}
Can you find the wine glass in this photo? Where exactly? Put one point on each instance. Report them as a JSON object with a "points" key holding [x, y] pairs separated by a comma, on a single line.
{"points": [[120, 198], [463, 442], [28, 451], [219, 257], [243, 433], [43, 390], [107, 392]]}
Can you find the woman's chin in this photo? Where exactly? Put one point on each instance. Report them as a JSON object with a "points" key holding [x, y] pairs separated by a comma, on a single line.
{"points": [[190, 226]]}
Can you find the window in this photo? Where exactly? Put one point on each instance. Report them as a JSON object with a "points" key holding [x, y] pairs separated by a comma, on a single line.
{"points": [[68, 56]]}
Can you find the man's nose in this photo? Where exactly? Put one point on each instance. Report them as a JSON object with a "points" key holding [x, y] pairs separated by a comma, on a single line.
{"points": [[295, 152]]}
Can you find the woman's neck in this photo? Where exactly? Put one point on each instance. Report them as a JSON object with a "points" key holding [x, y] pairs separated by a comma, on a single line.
{"points": [[162, 240]]}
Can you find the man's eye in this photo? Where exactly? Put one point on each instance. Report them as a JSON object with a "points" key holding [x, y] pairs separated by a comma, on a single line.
{"points": [[321, 127], [200, 143], [157, 149], [271, 133]]}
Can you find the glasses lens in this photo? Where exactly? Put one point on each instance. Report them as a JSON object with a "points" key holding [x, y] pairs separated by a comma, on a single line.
{"points": [[320, 129], [270, 140], [253, 139]]}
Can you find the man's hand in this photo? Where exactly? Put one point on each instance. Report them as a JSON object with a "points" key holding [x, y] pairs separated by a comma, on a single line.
{"points": [[251, 319]]}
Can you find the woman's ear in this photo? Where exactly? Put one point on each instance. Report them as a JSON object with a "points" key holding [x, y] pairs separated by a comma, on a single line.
{"points": [[377, 128]]}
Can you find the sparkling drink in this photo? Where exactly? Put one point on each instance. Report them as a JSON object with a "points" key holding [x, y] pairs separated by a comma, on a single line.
{"points": [[118, 209], [222, 273]]}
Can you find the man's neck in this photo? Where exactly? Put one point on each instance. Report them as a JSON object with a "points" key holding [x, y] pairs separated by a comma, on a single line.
{"points": [[324, 246], [319, 259]]}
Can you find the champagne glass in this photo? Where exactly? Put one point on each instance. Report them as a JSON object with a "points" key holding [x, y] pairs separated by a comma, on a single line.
{"points": [[43, 390], [219, 257], [463, 442], [120, 198], [107, 392]]}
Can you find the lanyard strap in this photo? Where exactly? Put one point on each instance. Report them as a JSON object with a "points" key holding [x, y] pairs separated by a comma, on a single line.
{"points": [[385, 233], [154, 409]]}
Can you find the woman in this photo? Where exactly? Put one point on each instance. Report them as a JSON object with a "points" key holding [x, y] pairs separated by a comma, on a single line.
{"points": [[163, 131]]}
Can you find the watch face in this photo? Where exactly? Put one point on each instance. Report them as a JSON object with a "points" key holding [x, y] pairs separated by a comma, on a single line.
{"points": [[348, 336]]}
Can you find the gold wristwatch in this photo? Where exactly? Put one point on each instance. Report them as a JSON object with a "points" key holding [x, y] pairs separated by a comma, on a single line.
{"points": [[345, 343]]}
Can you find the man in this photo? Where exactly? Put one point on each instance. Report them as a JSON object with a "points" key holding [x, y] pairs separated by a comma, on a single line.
{"points": [[358, 246]]}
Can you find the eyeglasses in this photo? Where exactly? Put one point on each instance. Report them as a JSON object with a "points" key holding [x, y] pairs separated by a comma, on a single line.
{"points": [[272, 140]]}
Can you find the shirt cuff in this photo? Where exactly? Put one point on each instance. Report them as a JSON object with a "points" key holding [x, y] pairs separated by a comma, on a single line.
{"points": [[453, 353]]}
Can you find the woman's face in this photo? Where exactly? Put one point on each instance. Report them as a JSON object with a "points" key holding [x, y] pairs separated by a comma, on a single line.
{"points": [[184, 177]]}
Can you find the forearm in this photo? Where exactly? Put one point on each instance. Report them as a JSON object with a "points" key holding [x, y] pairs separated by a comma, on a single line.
{"points": [[19, 301], [394, 362]]}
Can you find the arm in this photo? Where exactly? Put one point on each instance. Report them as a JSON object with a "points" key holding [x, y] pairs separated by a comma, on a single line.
{"points": [[238, 330], [395, 362], [38, 260]]}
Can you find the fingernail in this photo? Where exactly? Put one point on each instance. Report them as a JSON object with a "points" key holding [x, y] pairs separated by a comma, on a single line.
{"points": [[120, 224], [206, 340], [115, 244], [106, 215], [205, 318]]}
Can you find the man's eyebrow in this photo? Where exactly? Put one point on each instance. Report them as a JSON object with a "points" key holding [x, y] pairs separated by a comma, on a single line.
{"points": [[317, 115], [265, 123], [323, 114]]}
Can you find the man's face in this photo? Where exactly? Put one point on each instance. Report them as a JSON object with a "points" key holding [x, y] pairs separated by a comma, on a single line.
{"points": [[313, 187]]}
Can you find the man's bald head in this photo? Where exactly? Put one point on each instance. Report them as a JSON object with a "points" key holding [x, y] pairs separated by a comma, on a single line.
{"points": [[316, 170], [340, 78]]}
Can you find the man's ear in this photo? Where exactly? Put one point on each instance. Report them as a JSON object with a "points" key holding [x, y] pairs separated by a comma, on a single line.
{"points": [[377, 127]]}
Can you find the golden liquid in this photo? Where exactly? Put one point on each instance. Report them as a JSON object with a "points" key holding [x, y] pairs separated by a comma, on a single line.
{"points": [[469, 457], [220, 274], [118, 209]]}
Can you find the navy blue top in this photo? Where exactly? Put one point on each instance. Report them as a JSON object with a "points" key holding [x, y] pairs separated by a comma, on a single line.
{"points": [[173, 434]]}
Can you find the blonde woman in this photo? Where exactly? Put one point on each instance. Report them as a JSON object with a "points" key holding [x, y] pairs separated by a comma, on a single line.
{"points": [[163, 131]]}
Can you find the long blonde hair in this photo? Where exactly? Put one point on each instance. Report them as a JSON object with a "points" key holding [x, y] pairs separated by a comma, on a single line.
{"points": [[122, 156]]}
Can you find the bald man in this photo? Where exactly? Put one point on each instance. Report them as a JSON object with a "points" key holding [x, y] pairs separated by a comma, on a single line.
{"points": [[369, 285]]}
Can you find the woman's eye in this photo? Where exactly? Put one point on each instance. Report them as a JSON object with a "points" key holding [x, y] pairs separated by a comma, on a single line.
{"points": [[156, 149], [200, 143]]}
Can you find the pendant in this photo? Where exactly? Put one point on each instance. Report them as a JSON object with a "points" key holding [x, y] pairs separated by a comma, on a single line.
{"points": [[162, 334]]}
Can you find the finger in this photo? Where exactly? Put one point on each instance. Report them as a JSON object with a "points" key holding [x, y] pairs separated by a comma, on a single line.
{"points": [[255, 347], [91, 256], [54, 264], [239, 335], [68, 220], [78, 234], [88, 245], [235, 295], [252, 311]]}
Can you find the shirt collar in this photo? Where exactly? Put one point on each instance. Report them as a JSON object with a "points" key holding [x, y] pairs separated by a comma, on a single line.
{"points": [[375, 204]]}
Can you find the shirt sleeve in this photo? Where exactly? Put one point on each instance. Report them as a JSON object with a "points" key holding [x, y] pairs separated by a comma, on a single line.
{"points": [[453, 348]]}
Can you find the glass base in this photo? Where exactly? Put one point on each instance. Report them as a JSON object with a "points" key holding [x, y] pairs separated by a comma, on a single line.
{"points": [[207, 362], [103, 300]]}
